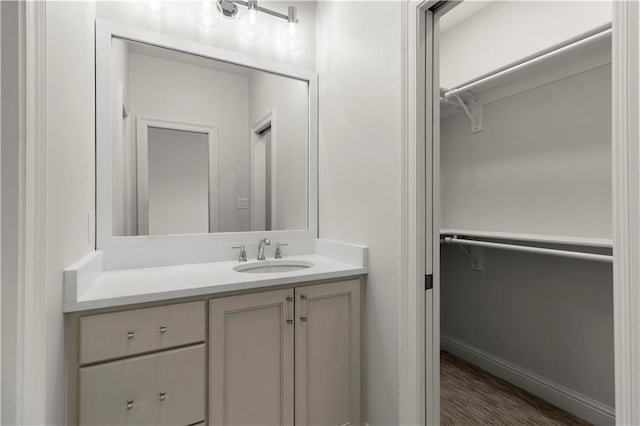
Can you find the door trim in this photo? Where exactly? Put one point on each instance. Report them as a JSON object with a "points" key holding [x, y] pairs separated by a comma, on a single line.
{"points": [[412, 372], [626, 209], [266, 121], [32, 289]]}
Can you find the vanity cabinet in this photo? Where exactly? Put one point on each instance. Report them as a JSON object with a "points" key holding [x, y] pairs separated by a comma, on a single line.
{"points": [[251, 362], [166, 388], [289, 351], [289, 356], [142, 366], [327, 354]]}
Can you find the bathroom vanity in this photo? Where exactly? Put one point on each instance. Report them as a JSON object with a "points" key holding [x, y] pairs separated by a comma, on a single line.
{"points": [[184, 314], [287, 351]]}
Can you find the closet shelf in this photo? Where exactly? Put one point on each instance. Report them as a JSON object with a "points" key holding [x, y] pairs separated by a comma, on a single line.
{"points": [[497, 77], [536, 238], [529, 249]]}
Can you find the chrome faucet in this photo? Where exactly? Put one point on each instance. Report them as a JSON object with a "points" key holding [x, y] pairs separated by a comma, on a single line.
{"points": [[263, 242], [278, 253], [242, 255]]}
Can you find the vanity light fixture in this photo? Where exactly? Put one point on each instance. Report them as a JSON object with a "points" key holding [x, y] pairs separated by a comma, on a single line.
{"points": [[290, 34], [251, 23], [155, 6], [207, 13]]}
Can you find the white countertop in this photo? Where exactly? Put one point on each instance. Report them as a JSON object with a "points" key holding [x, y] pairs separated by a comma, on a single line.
{"points": [[129, 286]]}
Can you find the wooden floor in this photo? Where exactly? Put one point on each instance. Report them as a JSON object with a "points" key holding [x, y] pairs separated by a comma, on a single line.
{"points": [[471, 396]]}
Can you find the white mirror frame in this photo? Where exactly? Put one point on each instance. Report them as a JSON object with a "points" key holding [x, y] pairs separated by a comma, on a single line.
{"points": [[105, 240]]}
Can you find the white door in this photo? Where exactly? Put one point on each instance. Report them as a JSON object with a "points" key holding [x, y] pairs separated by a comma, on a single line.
{"points": [[261, 182], [178, 186]]}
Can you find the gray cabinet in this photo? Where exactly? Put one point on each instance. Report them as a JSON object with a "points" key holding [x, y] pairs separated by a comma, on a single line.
{"points": [[142, 366], [252, 363], [327, 353], [251, 359], [279, 357], [166, 388], [121, 334]]}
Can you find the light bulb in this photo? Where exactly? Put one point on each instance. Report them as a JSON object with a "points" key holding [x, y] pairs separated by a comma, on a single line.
{"points": [[251, 25], [155, 6], [207, 13], [291, 36]]}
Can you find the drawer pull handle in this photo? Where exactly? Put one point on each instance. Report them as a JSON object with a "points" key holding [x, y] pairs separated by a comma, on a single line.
{"points": [[163, 395], [303, 307], [129, 404], [163, 329], [130, 334], [290, 305]]}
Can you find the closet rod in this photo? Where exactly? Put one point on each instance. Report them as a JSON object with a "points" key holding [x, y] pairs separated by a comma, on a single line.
{"points": [[527, 249], [469, 86]]}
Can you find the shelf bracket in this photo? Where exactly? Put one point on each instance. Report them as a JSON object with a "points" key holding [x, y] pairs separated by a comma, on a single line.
{"points": [[474, 112], [475, 255]]}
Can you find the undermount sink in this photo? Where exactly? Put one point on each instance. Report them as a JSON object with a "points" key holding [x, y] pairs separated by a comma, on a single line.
{"points": [[272, 266]]}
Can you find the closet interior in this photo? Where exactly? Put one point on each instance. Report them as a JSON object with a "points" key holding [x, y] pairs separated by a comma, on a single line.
{"points": [[526, 281]]}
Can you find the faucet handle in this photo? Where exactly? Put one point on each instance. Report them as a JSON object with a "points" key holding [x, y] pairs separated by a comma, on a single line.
{"points": [[242, 256], [278, 253]]}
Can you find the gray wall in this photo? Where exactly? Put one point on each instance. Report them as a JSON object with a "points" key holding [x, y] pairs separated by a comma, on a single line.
{"points": [[542, 164], [550, 315]]}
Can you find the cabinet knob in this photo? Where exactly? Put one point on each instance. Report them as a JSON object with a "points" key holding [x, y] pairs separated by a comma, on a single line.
{"points": [[163, 329], [129, 404], [163, 395], [131, 334]]}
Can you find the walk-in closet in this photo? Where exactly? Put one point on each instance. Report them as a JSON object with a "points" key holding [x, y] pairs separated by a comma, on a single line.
{"points": [[526, 296]]}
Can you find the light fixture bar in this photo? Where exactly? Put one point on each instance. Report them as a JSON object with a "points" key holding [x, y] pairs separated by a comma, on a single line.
{"points": [[265, 10]]}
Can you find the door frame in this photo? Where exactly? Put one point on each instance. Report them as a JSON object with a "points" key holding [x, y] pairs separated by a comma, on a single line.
{"points": [[626, 209], [142, 131], [419, 375], [419, 384], [268, 120]]}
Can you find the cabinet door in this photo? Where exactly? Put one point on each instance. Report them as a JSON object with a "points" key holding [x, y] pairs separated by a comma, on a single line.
{"points": [[251, 359], [328, 354]]}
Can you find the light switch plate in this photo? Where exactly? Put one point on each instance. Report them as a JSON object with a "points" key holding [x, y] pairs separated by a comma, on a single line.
{"points": [[243, 203]]}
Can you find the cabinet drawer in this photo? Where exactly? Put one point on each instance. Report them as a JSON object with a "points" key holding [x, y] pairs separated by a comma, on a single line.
{"points": [[119, 334], [167, 388]]}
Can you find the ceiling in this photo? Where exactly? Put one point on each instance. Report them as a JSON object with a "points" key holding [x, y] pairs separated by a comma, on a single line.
{"points": [[461, 12]]}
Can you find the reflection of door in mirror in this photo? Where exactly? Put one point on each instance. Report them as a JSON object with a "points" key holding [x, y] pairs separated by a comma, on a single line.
{"points": [[177, 184], [123, 192], [263, 168]]}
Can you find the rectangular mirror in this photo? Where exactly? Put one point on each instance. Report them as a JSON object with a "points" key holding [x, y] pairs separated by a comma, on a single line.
{"points": [[194, 140]]}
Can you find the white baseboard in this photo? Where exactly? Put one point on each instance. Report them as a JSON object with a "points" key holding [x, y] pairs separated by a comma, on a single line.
{"points": [[572, 402]]}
